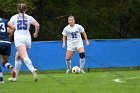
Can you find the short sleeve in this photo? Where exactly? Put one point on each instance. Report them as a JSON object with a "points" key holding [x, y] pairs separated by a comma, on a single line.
{"points": [[31, 20], [81, 29], [12, 19], [64, 32]]}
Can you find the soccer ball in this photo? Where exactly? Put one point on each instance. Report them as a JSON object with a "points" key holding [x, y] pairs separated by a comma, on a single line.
{"points": [[75, 70]]}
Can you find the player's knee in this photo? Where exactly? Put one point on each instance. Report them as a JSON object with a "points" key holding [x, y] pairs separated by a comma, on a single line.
{"points": [[67, 59], [17, 58], [82, 55]]}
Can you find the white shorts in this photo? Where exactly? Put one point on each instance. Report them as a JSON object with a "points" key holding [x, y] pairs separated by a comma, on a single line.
{"points": [[74, 47], [23, 41]]}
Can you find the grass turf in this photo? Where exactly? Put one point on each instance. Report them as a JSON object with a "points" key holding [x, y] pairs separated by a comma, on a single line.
{"points": [[93, 82]]}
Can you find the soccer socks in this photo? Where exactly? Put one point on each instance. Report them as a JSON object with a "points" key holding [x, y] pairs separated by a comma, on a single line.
{"points": [[68, 63], [1, 76], [7, 65], [17, 67], [82, 63], [28, 63]]}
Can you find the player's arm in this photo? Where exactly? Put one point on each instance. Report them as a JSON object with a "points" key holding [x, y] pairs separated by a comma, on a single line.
{"points": [[11, 26], [86, 39], [64, 37], [10, 32], [10, 29], [63, 41], [37, 26]]}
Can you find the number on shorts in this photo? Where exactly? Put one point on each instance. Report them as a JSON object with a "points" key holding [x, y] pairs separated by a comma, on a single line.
{"points": [[2, 27], [22, 25]]}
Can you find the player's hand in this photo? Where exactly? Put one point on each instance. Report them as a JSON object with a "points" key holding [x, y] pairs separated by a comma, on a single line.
{"points": [[35, 35], [63, 45], [87, 43]]}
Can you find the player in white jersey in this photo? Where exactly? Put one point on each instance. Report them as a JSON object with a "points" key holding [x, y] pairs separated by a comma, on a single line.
{"points": [[74, 42], [22, 39]]}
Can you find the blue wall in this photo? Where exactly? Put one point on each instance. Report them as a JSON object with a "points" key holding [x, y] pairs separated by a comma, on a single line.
{"points": [[100, 54]]}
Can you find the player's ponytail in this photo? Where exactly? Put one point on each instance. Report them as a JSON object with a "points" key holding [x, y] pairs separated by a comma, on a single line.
{"points": [[22, 9]]}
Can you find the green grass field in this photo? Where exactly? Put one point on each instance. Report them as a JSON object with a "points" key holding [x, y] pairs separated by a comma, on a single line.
{"points": [[127, 81]]}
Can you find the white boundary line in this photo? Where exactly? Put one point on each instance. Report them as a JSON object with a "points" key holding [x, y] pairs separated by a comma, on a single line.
{"points": [[118, 80]]}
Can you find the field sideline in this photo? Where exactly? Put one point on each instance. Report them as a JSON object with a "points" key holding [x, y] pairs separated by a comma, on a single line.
{"points": [[112, 81]]}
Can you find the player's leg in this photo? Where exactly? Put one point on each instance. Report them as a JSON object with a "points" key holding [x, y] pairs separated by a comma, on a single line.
{"points": [[28, 45], [17, 67], [81, 52], [17, 64], [69, 54], [6, 51], [1, 76], [23, 54], [5, 62], [22, 50], [8, 65]]}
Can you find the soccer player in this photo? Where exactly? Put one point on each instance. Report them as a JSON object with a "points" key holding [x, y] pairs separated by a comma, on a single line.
{"points": [[5, 46], [74, 42], [22, 39]]}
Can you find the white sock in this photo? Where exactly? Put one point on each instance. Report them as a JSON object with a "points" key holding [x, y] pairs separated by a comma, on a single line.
{"points": [[8, 65], [17, 67], [82, 63], [68, 63], [1, 77], [28, 63]]}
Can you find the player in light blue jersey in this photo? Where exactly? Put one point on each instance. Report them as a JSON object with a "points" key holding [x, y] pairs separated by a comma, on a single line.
{"points": [[5, 46], [74, 42]]}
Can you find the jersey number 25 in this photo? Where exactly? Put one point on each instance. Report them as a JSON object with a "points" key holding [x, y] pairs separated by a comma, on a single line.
{"points": [[22, 25]]}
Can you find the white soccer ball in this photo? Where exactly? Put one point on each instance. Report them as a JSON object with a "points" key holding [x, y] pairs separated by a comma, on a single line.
{"points": [[75, 70]]}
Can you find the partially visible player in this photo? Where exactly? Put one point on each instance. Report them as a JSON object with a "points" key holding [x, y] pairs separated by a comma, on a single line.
{"points": [[5, 46], [1, 76], [74, 42], [22, 39]]}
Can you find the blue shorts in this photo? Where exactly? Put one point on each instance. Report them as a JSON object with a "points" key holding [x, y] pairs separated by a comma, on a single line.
{"points": [[5, 48]]}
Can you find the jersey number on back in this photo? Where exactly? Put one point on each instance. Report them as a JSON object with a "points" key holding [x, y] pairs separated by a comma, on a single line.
{"points": [[22, 25], [2, 27]]}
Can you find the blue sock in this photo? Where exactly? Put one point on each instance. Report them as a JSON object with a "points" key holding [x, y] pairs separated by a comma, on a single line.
{"points": [[1, 79]]}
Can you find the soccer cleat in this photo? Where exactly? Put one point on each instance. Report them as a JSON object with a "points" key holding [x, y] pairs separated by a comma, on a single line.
{"points": [[13, 73], [35, 75], [82, 71], [67, 71], [1, 82], [12, 79]]}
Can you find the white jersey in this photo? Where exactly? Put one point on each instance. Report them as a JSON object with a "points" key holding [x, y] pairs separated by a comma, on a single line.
{"points": [[73, 34], [22, 27]]}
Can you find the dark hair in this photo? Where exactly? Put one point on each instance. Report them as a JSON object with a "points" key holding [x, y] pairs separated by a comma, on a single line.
{"points": [[21, 7]]}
